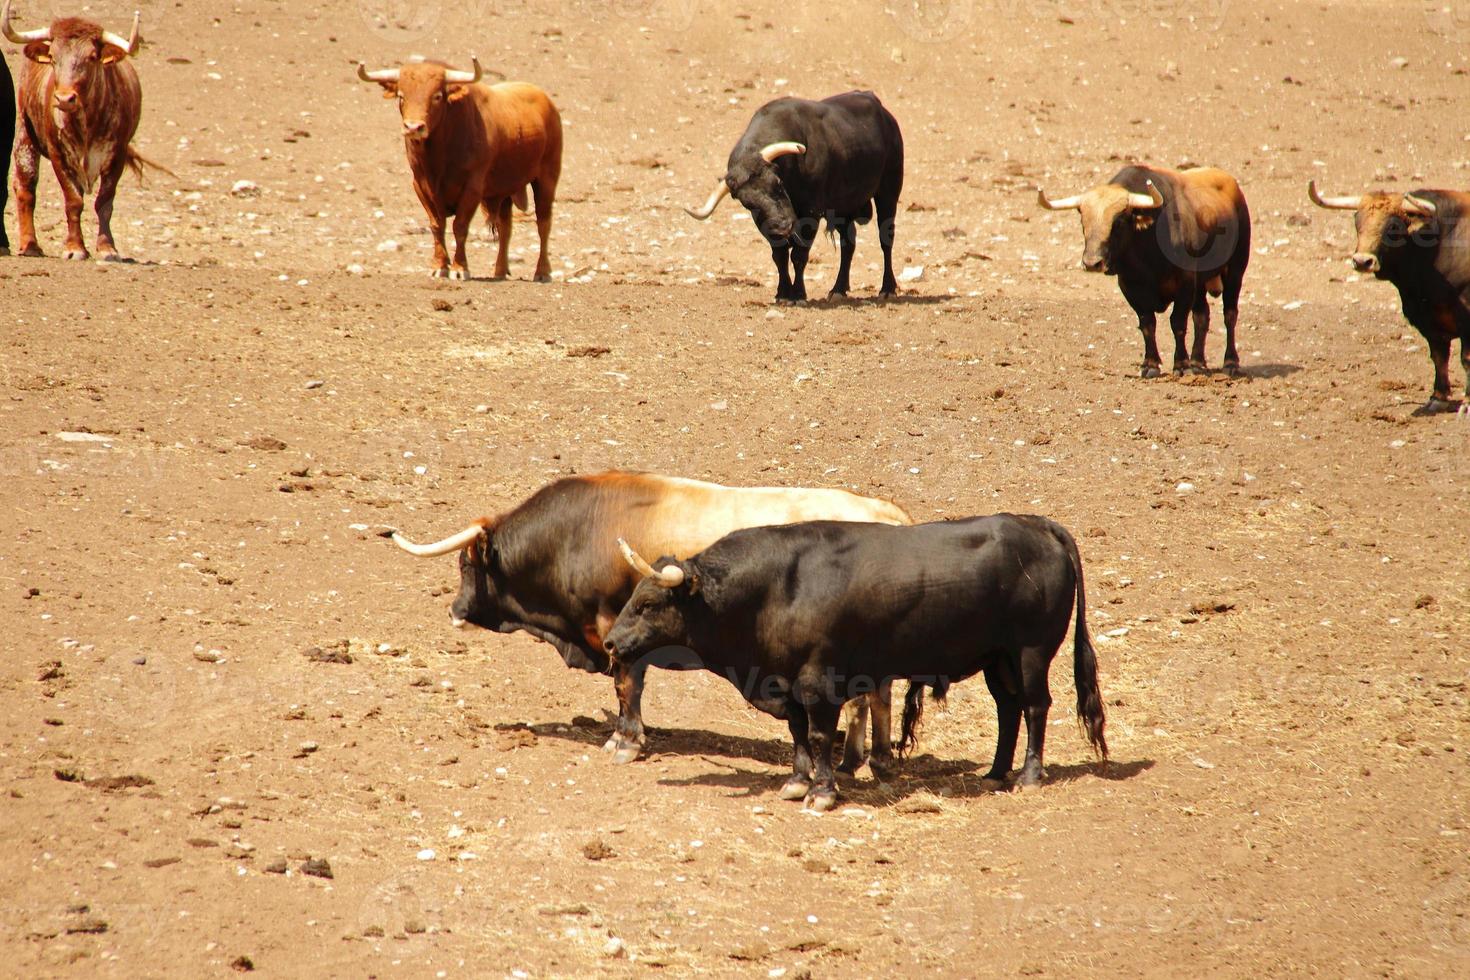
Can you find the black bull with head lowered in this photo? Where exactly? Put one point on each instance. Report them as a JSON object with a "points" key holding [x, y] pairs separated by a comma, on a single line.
{"points": [[805, 617], [801, 162]]}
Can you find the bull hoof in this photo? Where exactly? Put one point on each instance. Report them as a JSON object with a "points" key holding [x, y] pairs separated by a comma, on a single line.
{"points": [[110, 257], [439, 274], [1150, 371], [1436, 405], [883, 769], [611, 745], [76, 255], [4, 249], [542, 278], [31, 251], [850, 766], [459, 274], [1464, 410], [625, 755], [1179, 370], [1030, 778], [820, 800], [1199, 367], [796, 788], [1232, 370]]}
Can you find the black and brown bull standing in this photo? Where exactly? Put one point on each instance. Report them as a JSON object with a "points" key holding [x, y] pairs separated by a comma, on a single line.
{"points": [[1172, 237], [1420, 242], [7, 137]]}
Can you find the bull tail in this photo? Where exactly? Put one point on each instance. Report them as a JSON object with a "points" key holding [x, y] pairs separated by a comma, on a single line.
{"points": [[913, 711], [1084, 658], [136, 162]]}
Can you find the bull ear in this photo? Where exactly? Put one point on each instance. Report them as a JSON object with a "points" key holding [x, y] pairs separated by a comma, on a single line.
{"points": [[111, 54], [39, 52], [458, 92], [390, 89]]}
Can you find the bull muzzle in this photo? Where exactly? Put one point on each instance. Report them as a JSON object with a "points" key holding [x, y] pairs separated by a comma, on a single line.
{"points": [[1365, 262], [66, 100], [415, 130]]}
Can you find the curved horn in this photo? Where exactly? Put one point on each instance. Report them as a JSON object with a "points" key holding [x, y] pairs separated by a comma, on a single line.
{"points": [[1153, 199], [1333, 203], [465, 77], [1061, 203], [716, 195], [778, 150], [455, 542], [1421, 206], [110, 38], [21, 37], [381, 75], [669, 577]]}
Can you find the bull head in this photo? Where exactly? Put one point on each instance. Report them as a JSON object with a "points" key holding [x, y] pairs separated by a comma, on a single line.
{"points": [[756, 184], [423, 90], [74, 49], [1384, 222], [1110, 214]]}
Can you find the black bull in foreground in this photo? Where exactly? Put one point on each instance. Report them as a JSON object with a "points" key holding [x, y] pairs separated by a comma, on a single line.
{"points": [[800, 162], [805, 617]]}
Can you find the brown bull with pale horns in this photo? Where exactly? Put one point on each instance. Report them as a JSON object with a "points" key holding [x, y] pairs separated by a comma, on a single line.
{"points": [[1420, 242], [79, 103], [472, 146], [1171, 237]]}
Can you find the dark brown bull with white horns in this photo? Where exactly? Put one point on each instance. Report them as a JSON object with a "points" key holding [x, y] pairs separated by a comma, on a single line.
{"points": [[1420, 242], [79, 103], [1171, 237]]}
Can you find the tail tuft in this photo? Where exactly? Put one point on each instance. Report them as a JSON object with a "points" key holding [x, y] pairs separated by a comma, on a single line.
{"points": [[137, 161], [913, 712]]}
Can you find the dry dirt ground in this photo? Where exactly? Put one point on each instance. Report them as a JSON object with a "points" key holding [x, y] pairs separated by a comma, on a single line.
{"points": [[1277, 565]]}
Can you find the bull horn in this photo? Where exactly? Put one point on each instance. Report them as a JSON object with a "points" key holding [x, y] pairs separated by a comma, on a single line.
{"points": [[1153, 199], [778, 150], [1061, 203], [1334, 203], [21, 37], [1418, 205], [465, 77], [715, 197], [127, 46], [455, 542], [381, 75], [669, 577]]}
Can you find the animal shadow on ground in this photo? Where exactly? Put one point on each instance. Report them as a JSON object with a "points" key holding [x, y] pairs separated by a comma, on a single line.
{"points": [[1269, 371]]}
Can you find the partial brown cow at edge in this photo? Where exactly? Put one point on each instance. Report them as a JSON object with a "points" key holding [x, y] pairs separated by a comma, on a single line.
{"points": [[474, 146]]}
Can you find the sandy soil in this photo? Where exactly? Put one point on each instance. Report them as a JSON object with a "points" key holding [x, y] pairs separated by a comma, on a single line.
{"points": [[1276, 565]]}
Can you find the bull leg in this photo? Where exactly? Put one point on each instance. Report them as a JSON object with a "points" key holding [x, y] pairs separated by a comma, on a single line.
{"points": [[27, 170], [1179, 324], [1147, 325], [847, 235], [502, 231], [1439, 352], [628, 738], [464, 216], [854, 746], [440, 269], [800, 252], [1036, 695], [1465, 367], [780, 254], [800, 783], [823, 714], [545, 195], [1201, 314], [882, 761], [107, 191], [1231, 302], [886, 207], [1008, 720]]}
